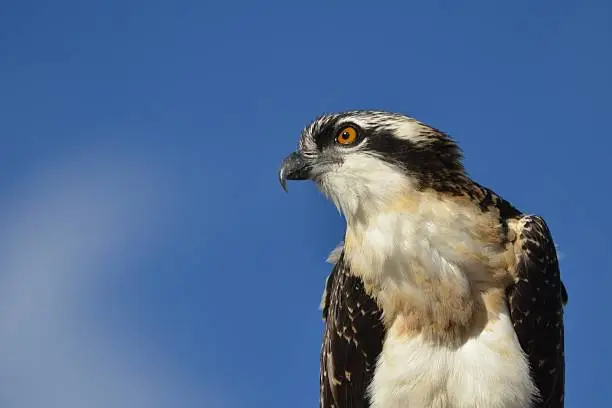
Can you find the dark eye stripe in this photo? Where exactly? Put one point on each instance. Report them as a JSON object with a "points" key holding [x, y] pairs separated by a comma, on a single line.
{"points": [[326, 133]]}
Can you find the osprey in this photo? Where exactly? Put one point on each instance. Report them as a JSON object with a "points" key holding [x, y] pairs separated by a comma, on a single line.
{"points": [[442, 293]]}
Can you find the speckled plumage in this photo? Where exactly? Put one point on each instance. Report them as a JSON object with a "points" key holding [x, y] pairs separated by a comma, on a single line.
{"points": [[352, 342], [536, 304]]}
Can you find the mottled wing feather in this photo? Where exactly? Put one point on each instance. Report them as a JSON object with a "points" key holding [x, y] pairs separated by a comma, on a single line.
{"points": [[536, 305], [352, 340]]}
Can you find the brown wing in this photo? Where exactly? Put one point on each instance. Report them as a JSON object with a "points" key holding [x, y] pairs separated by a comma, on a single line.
{"points": [[352, 340], [536, 303]]}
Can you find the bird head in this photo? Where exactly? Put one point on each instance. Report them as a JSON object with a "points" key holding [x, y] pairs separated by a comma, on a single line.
{"points": [[362, 160]]}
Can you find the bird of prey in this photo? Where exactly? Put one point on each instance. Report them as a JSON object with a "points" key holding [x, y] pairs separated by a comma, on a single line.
{"points": [[442, 294]]}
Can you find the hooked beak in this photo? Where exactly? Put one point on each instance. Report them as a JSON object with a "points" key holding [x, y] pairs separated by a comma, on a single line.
{"points": [[294, 167]]}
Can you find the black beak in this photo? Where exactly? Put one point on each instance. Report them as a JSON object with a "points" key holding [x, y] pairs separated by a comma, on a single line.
{"points": [[294, 167]]}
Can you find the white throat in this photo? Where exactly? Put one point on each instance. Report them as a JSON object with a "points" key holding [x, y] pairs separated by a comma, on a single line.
{"points": [[363, 185]]}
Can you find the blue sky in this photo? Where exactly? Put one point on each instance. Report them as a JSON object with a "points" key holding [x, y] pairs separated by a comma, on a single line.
{"points": [[148, 256]]}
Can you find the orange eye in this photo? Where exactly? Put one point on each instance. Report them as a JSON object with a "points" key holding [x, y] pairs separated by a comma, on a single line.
{"points": [[347, 136]]}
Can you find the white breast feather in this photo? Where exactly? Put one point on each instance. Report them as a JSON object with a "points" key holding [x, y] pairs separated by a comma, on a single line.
{"points": [[488, 371], [391, 243]]}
